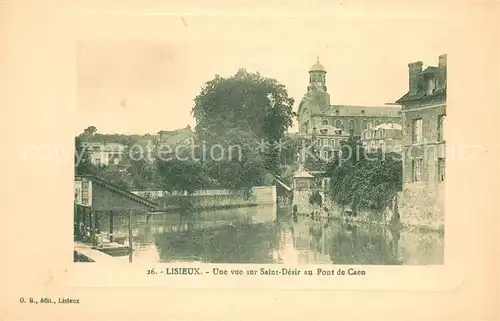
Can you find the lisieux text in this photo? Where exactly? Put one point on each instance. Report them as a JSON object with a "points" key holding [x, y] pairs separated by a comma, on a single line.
{"points": [[327, 271]]}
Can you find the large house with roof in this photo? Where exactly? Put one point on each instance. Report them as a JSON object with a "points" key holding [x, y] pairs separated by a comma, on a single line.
{"points": [[386, 137], [183, 136], [110, 149], [424, 141], [326, 124]]}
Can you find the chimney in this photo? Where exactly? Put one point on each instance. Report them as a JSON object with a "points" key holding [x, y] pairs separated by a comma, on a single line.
{"points": [[442, 71], [414, 68], [442, 61]]}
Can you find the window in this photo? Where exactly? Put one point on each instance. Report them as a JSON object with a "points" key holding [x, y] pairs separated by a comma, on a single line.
{"points": [[85, 192], [338, 123], [337, 112], [431, 85], [369, 125], [417, 130], [332, 142], [440, 128], [363, 124], [377, 122], [98, 161], [116, 161], [325, 142], [417, 170], [325, 121], [441, 169], [96, 148], [351, 125]]}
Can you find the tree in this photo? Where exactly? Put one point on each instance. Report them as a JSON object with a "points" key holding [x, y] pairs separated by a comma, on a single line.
{"points": [[140, 169], [370, 182], [247, 102], [315, 199], [90, 131], [82, 162]]}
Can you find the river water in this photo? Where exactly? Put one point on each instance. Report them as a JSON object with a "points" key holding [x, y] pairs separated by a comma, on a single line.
{"points": [[256, 235]]}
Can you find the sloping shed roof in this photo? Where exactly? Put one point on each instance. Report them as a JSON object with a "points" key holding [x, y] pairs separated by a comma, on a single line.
{"points": [[131, 196]]}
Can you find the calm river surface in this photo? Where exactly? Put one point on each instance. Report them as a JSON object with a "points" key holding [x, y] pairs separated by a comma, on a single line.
{"points": [[254, 235]]}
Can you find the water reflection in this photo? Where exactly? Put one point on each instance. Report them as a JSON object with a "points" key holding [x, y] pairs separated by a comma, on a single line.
{"points": [[256, 236]]}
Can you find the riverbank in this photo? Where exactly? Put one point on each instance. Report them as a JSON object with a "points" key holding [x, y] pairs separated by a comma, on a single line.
{"points": [[383, 218], [84, 252], [209, 207]]}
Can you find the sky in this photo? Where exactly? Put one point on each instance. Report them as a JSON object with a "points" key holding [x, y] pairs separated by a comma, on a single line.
{"points": [[141, 74]]}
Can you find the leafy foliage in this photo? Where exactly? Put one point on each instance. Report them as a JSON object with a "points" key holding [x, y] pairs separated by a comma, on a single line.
{"points": [[82, 161], [140, 168], [234, 116], [369, 183], [248, 102], [368, 180], [316, 199]]}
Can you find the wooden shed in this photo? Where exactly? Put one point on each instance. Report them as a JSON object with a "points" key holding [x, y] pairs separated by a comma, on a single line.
{"points": [[95, 197]]}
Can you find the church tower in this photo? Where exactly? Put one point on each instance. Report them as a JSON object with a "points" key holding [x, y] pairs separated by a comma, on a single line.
{"points": [[317, 77]]}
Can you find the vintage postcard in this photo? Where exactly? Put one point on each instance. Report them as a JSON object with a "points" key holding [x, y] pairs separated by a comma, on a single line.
{"points": [[258, 150]]}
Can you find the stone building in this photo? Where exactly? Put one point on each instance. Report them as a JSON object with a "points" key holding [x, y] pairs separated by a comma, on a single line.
{"points": [[104, 153], [327, 124], [424, 159], [387, 137]]}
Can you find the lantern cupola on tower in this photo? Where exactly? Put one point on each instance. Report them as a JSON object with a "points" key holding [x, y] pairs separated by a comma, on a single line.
{"points": [[317, 77]]}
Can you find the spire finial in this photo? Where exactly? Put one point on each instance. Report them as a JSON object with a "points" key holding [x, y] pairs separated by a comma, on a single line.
{"points": [[317, 59]]}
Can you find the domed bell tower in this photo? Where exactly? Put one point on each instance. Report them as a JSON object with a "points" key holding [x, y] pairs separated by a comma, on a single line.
{"points": [[317, 77]]}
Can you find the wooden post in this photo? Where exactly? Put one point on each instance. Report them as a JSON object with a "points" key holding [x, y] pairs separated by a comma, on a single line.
{"points": [[111, 238], [76, 219], [130, 252], [92, 227]]}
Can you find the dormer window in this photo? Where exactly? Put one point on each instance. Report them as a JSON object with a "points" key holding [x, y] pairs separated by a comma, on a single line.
{"points": [[337, 112], [363, 112], [323, 131], [325, 122], [431, 85]]}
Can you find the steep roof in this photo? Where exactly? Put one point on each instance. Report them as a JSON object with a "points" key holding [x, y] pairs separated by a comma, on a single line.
{"points": [[118, 190], [421, 93], [430, 70], [368, 111], [176, 137], [302, 174]]}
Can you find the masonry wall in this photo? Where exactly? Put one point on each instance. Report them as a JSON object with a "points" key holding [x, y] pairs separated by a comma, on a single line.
{"points": [[301, 199], [261, 195], [422, 203]]}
